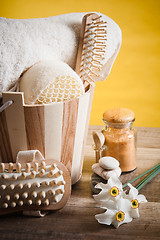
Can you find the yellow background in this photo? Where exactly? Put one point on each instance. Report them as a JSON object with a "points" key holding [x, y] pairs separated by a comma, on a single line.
{"points": [[134, 81]]}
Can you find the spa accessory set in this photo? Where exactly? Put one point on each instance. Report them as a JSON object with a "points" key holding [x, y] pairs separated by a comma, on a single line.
{"points": [[116, 143], [49, 67]]}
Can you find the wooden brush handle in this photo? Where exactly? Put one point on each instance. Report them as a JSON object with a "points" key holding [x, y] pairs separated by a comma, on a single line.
{"points": [[81, 42], [91, 50], [85, 20]]}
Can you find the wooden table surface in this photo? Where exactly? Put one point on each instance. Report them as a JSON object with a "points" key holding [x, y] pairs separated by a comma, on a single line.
{"points": [[76, 220]]}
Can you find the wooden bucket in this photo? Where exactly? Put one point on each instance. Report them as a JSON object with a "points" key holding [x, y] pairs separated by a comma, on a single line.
{"points": [[58, 130]]}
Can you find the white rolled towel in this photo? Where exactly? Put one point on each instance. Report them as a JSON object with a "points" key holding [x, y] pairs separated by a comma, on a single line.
{"points": [[23, 42]]}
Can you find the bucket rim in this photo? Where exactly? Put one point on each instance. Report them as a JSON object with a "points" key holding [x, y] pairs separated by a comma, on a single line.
{"points": [[91, 87]]}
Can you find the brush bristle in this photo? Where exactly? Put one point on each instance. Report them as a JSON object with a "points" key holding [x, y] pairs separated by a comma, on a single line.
{"points": [[94, 48]]}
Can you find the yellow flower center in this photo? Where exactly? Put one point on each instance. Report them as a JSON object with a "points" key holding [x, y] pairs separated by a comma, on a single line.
{"points": [[114, 191], [134, 203], [120, 216]]}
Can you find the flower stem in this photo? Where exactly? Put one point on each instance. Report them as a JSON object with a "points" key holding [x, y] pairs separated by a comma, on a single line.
{"points": [[148, 178], [141, 175]]}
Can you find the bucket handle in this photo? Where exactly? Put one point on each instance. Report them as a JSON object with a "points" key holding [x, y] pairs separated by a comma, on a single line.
{"points": [[5, 105]]}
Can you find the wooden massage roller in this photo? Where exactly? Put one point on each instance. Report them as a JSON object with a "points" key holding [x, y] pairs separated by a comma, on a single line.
{"points": [[39, 185], [92, 47]]}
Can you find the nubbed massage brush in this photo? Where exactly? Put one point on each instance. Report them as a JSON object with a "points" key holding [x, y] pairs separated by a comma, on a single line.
{"points": [[39, 185], [92, 48]]}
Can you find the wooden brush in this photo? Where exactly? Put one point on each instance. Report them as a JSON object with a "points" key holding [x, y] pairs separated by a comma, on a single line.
{"points": [[92, 47], [43, 185]]}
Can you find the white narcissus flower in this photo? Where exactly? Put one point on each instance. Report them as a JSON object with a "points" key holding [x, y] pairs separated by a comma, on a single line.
{"points": [[135, 200], [121, 208], [110, 191], [117, 212]]}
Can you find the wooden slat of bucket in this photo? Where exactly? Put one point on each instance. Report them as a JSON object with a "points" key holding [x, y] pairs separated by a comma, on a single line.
{"points": [[70, 113], [87, 124], [53, 114], [5, 147], [79, 136], [15, 122], [34, 122]]}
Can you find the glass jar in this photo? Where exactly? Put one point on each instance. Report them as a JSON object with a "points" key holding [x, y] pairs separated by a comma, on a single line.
{"points": [[120, 138]]}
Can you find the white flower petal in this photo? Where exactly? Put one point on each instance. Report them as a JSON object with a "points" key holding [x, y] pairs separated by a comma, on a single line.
{"points": [[106, 217], [118, 197], [127, 218], [134, 213], [123, 205], [114, 181], [141, 198], [133, 192], [102, 185], [102, 196], [126, 196], [110, 205], [115, 223]]}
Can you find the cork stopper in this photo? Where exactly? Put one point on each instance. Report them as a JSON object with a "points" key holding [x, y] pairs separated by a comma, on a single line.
{"points": [[118, 115]]}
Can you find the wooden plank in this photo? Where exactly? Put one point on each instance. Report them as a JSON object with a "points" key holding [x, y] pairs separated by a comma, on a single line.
{"points": [[15, 122], [34, 123], [80, 136], [70, 113], [53, 115], [5, 147], [76, 220], [79, 223], [148, 137], [87, 124]]}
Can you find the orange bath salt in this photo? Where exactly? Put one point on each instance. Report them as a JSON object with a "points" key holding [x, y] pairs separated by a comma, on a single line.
{"points": [[120, 137]]}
